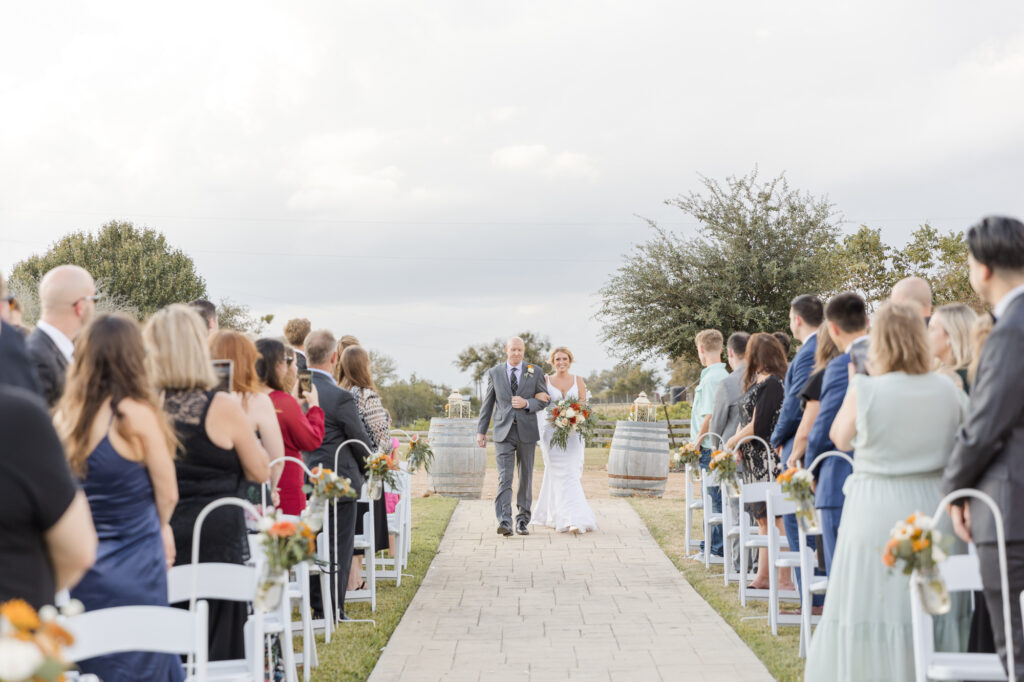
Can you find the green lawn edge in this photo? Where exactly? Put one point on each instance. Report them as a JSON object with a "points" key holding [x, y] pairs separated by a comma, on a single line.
{"points": [[665, 519], [355, 648]]}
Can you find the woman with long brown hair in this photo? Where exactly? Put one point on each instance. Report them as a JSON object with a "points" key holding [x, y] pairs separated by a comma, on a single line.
{"points": [[759, 411], [119, 445]]}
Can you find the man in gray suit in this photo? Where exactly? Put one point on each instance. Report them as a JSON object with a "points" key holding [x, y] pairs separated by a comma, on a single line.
{"points": [[511, 387], [989, 452]]}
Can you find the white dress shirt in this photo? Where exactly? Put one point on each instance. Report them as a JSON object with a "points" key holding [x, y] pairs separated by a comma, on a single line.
{"points": [[519, 372], [65, 345]]}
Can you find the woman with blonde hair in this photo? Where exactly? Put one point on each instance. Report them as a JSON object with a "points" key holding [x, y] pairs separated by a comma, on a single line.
{"points": [[217, 449], [901, 420], [949, 332], [119, 445]]}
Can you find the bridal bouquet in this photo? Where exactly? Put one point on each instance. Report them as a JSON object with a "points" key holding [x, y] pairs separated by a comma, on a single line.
{"points": [[285, 544], [570, 416], [723, 468], [917, 544], [797, 483], [419, 455], [30, 642]]}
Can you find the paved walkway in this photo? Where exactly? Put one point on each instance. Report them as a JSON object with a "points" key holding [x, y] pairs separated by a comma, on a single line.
{"points": [[603, 606]]}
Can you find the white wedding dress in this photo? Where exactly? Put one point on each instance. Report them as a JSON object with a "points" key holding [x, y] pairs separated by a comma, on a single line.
{"points": [[561, 504]]}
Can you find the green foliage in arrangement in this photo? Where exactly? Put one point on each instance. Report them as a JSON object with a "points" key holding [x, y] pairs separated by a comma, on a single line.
{"points": [[480, 358], [137, 268]]}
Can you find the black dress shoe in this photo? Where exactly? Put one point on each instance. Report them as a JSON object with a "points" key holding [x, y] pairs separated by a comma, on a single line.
{"points": [[522, 529], [505, 529]]}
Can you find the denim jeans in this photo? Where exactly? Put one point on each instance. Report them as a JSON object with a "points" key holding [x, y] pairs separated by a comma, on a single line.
{"points": [[793, 537], [716, 506]]}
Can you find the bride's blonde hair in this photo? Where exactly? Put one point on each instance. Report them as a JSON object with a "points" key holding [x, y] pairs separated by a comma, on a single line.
{"points": [[561, 349]]}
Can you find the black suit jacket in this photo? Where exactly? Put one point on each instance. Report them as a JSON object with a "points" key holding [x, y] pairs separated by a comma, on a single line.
{"points": [[16, 367], [300, 360], [51, 365], [342, 423], [989, 451]]}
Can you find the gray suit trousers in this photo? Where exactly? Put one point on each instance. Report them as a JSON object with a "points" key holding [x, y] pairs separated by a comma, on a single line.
{"points": [[513, 454], [988, 557]]}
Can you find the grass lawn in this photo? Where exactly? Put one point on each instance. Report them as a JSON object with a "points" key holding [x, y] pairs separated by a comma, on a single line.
{"points": [[665, 519], [355, 648], [593, 458]]}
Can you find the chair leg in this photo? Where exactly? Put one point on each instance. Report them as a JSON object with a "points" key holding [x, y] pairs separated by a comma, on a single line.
{"points": [[743, 559], [726, 541]]}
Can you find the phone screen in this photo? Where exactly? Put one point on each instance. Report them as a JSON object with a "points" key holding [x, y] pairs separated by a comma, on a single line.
{"points": [[859, 357], [224, 369], [305, 381]]}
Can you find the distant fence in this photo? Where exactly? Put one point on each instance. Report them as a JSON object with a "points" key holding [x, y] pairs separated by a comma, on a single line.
{"points": [[605, 432]]}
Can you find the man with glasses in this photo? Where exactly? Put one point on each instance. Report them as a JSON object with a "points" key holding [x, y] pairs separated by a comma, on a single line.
{"points": [[68, 298], [15, 365]]}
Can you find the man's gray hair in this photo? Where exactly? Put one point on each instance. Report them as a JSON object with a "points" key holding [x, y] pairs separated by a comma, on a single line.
{"points": [[319, 346]]}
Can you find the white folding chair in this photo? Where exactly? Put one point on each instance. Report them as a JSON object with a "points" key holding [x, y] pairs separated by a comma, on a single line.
{"points": [[961, 573], [390, 568], [157, 629], [365, 541], [693, 503], [750, 537], [712, 519], [740, 528], [778, 558], [334, 539]]}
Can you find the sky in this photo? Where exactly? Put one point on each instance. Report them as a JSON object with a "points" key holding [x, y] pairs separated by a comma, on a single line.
{"points": [[430, 175]]}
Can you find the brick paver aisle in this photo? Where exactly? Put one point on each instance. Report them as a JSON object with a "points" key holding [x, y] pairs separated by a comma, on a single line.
{"points": [[603, 606]]}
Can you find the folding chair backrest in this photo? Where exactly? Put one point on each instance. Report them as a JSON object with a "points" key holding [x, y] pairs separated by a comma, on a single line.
{"points": [[779, 504], [158, 629], [230, 582], [757, 492], [962, 573]]}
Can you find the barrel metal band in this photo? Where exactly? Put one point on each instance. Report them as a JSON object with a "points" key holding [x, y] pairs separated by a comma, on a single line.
{"points": [[638, 478]]}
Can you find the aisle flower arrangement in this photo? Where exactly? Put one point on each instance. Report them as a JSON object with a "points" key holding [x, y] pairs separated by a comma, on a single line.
{"points": [[380, 469], [571, 415], [918, 545], [31, 642], [723, 468], [798, 484], [419, 455], [688, 454], [285, 545], [324, 486]]}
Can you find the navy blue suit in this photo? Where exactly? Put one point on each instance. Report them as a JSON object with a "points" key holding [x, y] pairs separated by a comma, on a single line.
{"points": [[831, 473], [785, 428]]}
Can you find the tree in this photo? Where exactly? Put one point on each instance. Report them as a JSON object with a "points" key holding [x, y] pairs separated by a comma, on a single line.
{"points": [[413, 399], [625, 379], [383, 368], [237, 316], [942, 260], [138, 269], [759, 245], [868, 264], [481, 358], [683, 372]]}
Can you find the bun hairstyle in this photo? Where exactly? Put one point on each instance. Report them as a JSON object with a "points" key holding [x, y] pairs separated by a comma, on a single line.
{"points": [[561, 349]]}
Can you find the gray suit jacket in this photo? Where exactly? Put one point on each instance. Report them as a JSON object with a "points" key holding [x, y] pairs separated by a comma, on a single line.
{"points": [[498, 401], [725, 415], [989, 451], [342, 422]]}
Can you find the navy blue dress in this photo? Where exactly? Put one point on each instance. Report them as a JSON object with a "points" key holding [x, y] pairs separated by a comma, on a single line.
{"points": [[130, 568]]}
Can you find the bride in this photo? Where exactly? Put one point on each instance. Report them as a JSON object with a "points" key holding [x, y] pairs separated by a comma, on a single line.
{"points": [[561, 504]]}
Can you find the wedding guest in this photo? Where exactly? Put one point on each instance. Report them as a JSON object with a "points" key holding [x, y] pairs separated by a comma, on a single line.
{"points": [[847, 318], [119, 444], [784, 340], [902, 421], [346, 341], [806, 313], [916, 291], [760, 406], [217, 448], [208, 312], [16, 368], [725, 418], [989, 449], [257, 405], [300, 432], [342, 424], [949, 332], [980, 330], [358, 379], [295, 331], [709, 353], [68, 297], [47, 540], [810, 396]]}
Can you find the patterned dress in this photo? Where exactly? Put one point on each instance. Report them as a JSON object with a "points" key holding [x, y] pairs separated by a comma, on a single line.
{"points": [[762, 402]]}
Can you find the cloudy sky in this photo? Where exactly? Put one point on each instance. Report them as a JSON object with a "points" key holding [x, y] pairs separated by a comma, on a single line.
{"points": [[427, 175]]}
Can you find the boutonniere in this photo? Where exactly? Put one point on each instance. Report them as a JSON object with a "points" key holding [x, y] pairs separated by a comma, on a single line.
{"points": [[529, 370]]}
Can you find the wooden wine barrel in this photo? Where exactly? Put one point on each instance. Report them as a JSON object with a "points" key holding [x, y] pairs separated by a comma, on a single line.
{"points": [[638, 459], [459, 465]]}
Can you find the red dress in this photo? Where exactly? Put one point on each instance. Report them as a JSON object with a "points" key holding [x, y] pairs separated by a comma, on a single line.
{"points": [[301, 433]]}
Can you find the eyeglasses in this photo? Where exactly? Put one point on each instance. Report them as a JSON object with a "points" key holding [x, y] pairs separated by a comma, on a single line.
{"points": [[95, 297]]}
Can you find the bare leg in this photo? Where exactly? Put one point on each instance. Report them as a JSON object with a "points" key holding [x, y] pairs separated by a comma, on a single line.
{"points": [[785, 574], [355, 576]]}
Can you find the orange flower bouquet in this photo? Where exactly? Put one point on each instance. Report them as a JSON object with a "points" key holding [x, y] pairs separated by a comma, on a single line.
{"points": [[286, 544], [723, 469], [324, 486], [918, 545], [420, 454], [30, 642], [380, 469], [687, 455], [569, 416], [798, 484]]}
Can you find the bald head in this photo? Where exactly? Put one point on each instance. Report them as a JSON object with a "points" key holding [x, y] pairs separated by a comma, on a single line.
{"points": [[914, 290], [515, 349], [321, 349], [68, 298]]}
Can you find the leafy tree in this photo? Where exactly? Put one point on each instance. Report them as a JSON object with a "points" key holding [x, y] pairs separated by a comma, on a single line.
{"points": [[412, 399], [237, 316], [683, 372], [138, 269], [383, 368], [942, 260], [868, 264], [626, 379], [481, 358], [760, 243]]}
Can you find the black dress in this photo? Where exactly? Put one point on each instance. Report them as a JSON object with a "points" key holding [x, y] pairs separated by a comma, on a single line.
{"points": [[207, 473], [763, 400]]}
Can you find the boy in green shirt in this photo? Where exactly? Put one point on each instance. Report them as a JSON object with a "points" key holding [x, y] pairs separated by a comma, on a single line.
{"points": [[709, 350]]}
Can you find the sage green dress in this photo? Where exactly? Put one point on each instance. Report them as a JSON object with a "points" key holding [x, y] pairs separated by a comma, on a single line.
{"points": [[906, 426]]}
